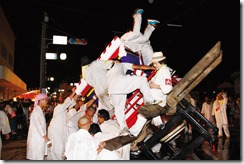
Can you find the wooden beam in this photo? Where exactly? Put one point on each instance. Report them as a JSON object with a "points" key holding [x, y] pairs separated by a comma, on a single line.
{"points": [[194, 76]]}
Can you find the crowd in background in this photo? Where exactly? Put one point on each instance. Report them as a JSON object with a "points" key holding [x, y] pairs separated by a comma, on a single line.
{"points": [[18, 113]]}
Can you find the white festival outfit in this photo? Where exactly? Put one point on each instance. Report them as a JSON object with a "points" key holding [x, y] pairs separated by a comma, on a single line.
{"points": [[106, 154], [120, 84], [4, 127], [164, 80], [112, 127], [81, 146], [36, 145], [95, 75], [207, 111], [138, 42], [73, 117], [57, 130], [219, 111]]}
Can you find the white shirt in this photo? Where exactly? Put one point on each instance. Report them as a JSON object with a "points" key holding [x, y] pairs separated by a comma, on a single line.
{"points": [[36, 145], [81, 146], [110, 126], [57, 130], [4, 123], [95, 74], [106, 154], [73, 117], [220, 115], [207, 111], [162, 78], [116, 77]]}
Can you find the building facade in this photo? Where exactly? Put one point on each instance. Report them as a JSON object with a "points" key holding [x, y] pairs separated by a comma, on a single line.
{"points": [[10, 84]]}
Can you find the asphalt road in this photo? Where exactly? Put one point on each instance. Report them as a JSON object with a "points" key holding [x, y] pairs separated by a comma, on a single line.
{"points": [[226, 149]]}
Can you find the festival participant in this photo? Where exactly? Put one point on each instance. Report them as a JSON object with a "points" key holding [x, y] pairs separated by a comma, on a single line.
{"points": [[219, 111], [57, 129], [138, 42], [81, 144], [37, 139]]}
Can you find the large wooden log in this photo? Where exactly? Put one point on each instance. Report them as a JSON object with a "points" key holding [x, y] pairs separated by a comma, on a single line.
{"points": [[195, 75], [117, 142], [200, 77]]}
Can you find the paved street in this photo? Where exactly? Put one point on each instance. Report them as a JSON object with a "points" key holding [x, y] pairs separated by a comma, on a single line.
{"points": [[226, 149]]}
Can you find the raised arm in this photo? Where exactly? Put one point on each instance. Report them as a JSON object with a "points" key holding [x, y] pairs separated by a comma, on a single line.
{"points": [[90, 102], [142, 67]]}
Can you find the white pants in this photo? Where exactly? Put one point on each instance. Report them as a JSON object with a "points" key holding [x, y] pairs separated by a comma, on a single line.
{"points": [[138, 42], [226, 130], [118, 101], [131, 83]]}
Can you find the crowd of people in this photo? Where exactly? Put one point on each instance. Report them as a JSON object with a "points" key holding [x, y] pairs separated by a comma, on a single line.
{"points": [[77, 128]]}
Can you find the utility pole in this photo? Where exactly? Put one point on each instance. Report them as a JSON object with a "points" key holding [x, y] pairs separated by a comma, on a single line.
{"points": [[42, 56]]}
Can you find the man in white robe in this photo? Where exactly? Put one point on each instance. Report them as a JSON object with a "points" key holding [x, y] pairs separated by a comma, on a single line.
{"points": [[219, 111], [207, 109], [110, 126], [120, 84], [37, 140], [98, 136], [75, 113], [95, 75], [4, 128], [81, 144], [57, 129]]}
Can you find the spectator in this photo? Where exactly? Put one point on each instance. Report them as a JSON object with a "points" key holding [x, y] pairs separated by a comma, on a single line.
{"points": [[230, 111], [11, 113], [207, 109], [237, 112], [4, 128], [20, 113]]}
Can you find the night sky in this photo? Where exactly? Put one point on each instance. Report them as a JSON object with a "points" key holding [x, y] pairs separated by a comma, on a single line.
{"points": [[204, 23]]}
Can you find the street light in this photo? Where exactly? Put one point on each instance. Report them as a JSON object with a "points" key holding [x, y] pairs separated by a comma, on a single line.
{"points": [[54, 56], [51, 79], [51, 56], [56, 40], [63, 56]]}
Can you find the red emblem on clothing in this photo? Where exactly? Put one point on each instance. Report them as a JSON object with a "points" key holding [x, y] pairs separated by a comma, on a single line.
{"points": [[168, 82], [218, 108]]}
